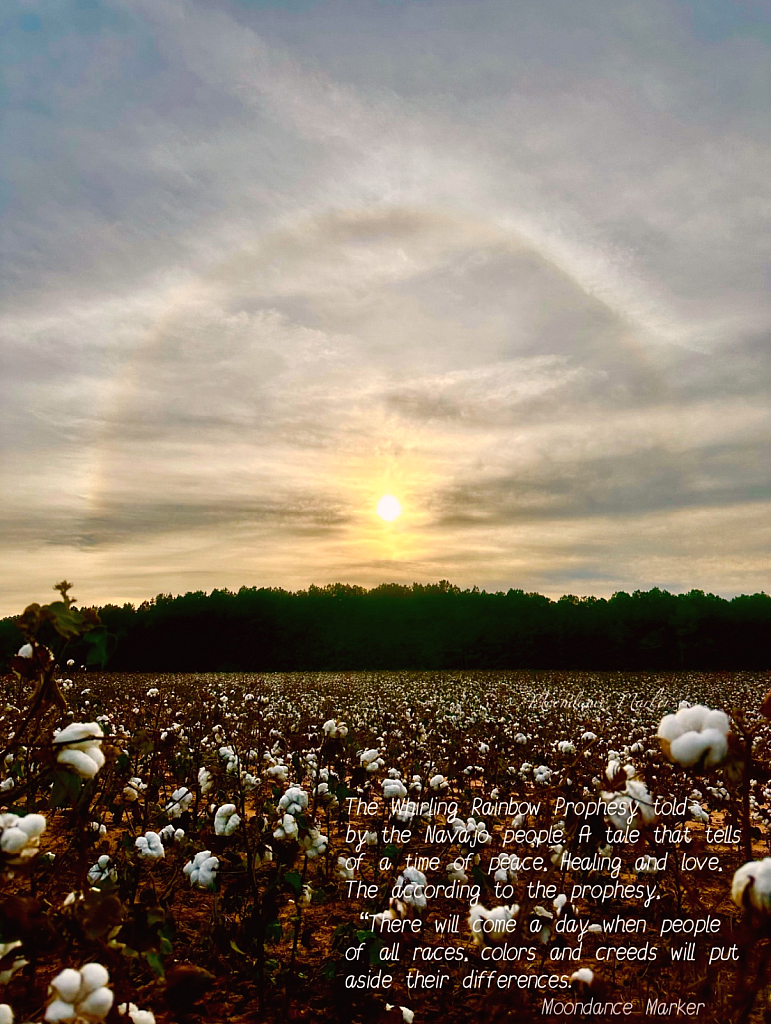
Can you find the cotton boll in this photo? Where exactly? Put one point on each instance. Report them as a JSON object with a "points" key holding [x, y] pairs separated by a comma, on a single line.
{"points": [[32, 824], [717, 720], [150, 846], [58, 1010], [669, 728], [752, 882], [226, 821], [692, 719], [80, 762], [688, 748], [66, 984], [716, 745], [491, 925], [93, 976], [393, 789], [96, 1005], [694, 733], [6, 1014]]}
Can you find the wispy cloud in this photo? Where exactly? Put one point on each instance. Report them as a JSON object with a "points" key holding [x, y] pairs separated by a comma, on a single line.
{"points": [[262, 264]]}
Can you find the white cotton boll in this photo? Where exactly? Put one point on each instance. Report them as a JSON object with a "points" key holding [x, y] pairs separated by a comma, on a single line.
{"points": [[753, 881], [66, 984], [456, 872], [57, 1010], [226, 821], [638, 791], [12, 840], [491, 925], [393, 789], [694, 733], [688, 748], [438, 783], [93, 976], [717, 720], [692, 719], [202, 870], [698, 813], [205, 781], [102, 871], [716, 745], [25, 651], [32, 824], [142, 1017], [408, 1016], [294, 801], [342, 870], [584, 975], [669, 728], [80, 762], [135, 1015], [181, 800], [6, 1014], [78, 732], [96, 1005], [150, 846]]}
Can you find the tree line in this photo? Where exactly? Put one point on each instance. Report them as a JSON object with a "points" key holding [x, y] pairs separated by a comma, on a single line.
{"points": [[430, 626]]}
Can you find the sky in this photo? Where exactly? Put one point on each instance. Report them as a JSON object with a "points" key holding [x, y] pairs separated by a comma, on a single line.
{"points": [[264, 262]]}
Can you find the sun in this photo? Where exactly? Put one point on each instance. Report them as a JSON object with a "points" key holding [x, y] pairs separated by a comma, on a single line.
{"points": [[388, 508]]}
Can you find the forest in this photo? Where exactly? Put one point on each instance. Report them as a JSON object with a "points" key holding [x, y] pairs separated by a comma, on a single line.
{"points": [[424, 627]]}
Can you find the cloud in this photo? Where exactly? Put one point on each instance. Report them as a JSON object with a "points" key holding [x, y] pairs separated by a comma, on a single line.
{"points": [[264, 264]]}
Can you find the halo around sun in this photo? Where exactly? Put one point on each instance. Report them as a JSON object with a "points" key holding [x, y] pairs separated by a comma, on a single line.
{"points": [[389, 508]]}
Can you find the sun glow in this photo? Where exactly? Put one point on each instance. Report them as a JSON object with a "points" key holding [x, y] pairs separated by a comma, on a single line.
{"points": [[388, 508]]}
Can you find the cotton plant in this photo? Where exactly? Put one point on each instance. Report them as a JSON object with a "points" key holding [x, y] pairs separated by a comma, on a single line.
{"points": [[13, 963], [102, 871], [294, 801], [181, 801], [279, 772], [629, 808], [489, 926], [150, 846], [371, 760], [226, 821], [135, 1015], [80, 995], [20, 837], [751, 885], [393, 789], [202, 870], [343, 871], [412, 885], [169, 834], [314, 843], [133, 790], [79, 748], [408, 1015], [205, 781], [695, 735], [334, 729]]}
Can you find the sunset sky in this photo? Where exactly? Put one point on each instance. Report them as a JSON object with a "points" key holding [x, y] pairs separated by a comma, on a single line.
{"points": [[263, 263]]}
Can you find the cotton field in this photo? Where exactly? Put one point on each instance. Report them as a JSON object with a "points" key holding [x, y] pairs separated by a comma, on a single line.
{"points": [[375, 846]]}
